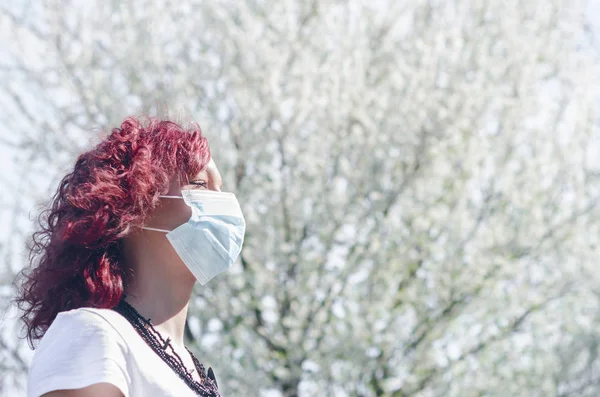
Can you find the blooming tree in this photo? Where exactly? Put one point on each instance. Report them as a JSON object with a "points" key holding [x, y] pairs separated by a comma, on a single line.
{"points": [[418, 179]]}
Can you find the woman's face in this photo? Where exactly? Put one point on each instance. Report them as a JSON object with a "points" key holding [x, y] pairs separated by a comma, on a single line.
{"points": [[174, 212]]}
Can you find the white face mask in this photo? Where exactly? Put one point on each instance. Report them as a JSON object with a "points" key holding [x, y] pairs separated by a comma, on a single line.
{"points": [[211, 240]]}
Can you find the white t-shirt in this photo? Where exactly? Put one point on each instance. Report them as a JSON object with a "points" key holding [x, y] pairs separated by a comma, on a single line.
{"points": [[86, 346]]}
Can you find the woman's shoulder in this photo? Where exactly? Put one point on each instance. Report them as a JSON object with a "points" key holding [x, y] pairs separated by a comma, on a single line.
{"points": [[88, 317], [81, 347], [85, 321], [82, 326]]}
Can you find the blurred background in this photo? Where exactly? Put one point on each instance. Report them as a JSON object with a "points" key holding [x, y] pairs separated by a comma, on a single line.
{"points": [[420, 179]]}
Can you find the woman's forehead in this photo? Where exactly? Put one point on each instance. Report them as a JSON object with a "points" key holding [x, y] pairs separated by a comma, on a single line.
{"points": [[212, 175]]}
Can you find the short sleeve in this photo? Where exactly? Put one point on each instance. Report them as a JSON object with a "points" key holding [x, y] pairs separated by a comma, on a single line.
{"points": [[79, 349]]}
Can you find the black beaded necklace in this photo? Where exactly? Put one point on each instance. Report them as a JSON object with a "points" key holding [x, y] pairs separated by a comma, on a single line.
{"points": [[208, 385]]}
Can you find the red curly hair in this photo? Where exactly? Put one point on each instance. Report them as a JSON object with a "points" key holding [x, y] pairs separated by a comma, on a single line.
{"points": [[76, 258]]}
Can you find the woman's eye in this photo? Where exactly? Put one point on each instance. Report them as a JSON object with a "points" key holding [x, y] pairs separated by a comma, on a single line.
{"points": [[198, 183]]}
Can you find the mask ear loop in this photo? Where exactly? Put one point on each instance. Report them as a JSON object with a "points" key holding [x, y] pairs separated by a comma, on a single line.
{"points": [[174, 197], [156, 230]]}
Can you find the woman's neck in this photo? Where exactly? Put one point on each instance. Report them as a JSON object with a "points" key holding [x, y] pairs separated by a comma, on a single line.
{"points": [[160, 290], [168, 316]]}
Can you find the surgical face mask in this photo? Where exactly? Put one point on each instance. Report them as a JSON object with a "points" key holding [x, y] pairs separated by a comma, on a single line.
{"points": [[211, 240]]}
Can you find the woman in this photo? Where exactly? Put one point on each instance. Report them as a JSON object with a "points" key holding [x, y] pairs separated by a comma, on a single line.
{"points": [[139, 219]]}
